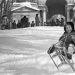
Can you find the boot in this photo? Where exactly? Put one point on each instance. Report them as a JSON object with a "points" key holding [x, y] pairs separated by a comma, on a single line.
{"points": [[74, 52], [69, 56], [51, 49]]}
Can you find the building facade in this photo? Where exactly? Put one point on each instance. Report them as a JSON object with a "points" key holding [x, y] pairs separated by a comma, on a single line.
{"points": [[48, 8], [27, 9], [63, 7], [45, 8]]}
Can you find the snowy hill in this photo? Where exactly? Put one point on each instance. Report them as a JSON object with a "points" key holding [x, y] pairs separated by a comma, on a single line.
{"points": [[24, 51]]}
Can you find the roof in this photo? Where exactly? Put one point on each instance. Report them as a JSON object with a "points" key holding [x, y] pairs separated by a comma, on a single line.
{"points": [[24, 4]]}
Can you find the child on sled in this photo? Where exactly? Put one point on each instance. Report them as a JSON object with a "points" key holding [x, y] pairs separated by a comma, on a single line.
{"points": [[66, 42]]}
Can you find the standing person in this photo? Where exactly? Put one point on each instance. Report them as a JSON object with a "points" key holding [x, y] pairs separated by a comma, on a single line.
{"points": [[5, 22], [53, 22], [24, 22], [19, 24], [62, 21], [37, 21], [66, 42], [45, 24], [14, 25]]}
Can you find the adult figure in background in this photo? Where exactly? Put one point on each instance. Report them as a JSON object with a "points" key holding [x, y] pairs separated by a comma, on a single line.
{"points": [[14, 25], [19, 24], [53, 22], [24, 21], [28, 24], [57, 22], [5, 22], [62, 21], [32, 24], [37, 21]]}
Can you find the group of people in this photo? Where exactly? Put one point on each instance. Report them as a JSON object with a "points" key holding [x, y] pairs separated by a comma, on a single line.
{"points": [[21, 23], [25, 23], [55, 22]]}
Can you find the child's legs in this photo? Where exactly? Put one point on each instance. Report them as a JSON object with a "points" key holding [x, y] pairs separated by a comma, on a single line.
{"points": [[59, 44], [71, 49]]}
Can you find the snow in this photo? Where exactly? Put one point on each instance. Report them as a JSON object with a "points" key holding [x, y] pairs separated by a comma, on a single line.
{"points": [[24, 52]]}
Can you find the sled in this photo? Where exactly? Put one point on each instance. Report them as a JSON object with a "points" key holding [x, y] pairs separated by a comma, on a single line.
{"points": [[58, 53]]}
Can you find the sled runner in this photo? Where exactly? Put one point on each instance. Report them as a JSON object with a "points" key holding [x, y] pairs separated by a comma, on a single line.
{"points": [[61, 56]]}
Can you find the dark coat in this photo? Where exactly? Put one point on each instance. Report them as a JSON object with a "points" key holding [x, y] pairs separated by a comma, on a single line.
{"points": [[68, 38]]}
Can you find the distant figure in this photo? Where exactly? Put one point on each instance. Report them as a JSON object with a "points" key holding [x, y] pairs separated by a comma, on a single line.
{"points": [[57, 22], [19, 24], [45, 24], [53, 22], [32, 24], [37, 20], [24, 21], [5, 22], [14, 26], [62, 22]]}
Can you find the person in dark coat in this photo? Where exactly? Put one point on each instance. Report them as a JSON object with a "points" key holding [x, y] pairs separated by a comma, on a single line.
{"points": [[5, 22], [37, 21], [14, 26], [24, 21], [32, 24], [19, 24], [66, 41]]}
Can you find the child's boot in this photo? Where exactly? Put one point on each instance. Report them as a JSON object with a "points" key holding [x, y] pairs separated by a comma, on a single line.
{"points": [[51, 49]]}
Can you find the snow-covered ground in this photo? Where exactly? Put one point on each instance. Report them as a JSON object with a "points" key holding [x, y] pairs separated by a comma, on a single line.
{"points": [[24, 52]]}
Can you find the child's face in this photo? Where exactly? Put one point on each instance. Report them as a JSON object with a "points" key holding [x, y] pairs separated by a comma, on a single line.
{"points": [[68, 28]]}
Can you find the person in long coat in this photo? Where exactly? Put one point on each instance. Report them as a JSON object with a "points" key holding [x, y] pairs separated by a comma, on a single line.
{"points": [[37, 21]]}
